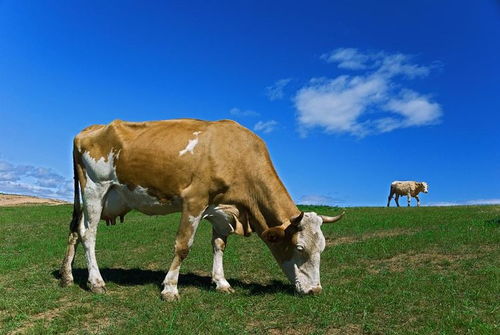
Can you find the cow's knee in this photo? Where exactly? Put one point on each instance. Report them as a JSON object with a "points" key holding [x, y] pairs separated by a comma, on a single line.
{"points": [[182, 251]]}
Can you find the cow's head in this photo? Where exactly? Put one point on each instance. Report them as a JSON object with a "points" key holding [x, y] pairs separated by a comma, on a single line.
{"points": [[424, 187], [297, 249]]}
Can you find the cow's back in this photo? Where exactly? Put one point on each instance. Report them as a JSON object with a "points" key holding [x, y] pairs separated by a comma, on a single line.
{"points": [[402, 187], [166, 157]]}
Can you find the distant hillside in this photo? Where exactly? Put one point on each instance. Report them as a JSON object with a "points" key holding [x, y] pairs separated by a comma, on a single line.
{"points": [[19, 200]]}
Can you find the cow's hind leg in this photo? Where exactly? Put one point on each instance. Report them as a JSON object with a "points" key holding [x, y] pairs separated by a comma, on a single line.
{"points": [[409, 199], [191, 216], [73, 238], [218, 278], [92, 209], [397, 199]]}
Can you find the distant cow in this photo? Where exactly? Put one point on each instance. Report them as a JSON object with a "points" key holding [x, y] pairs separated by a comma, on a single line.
{"points": [[219, 171], [407, 188]]}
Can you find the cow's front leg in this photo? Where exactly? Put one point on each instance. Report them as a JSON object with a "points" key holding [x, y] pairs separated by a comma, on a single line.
{"points": [[389, 199], [218, 245], [409, 199], [397, 199], [418, 200], [191, 216]]}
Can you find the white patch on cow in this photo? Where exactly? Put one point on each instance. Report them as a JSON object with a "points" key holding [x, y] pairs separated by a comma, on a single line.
{"points": [[220, 220], [194, 220], [100, 175], [191, 144], [101, 170]]}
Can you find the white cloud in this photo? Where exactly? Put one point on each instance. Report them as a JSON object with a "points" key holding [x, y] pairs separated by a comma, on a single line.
{"points": [[318, 199], [484, 202], [349, 58], [443, 204], [265, 126], [32, 180], [365, 104], [239, 112], [276, 91], [465, 203]]}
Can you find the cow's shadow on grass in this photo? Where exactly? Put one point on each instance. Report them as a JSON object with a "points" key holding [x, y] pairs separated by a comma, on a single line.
{"points": [[493, 222], [134, 277]]}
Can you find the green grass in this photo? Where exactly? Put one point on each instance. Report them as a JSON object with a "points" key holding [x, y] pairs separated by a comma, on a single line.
{"points": [[386, 271]]}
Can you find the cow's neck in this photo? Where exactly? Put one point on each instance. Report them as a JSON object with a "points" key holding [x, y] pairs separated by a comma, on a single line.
{"points": [[271, 205]]}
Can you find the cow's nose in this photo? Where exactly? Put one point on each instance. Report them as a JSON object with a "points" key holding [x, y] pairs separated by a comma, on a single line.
{"points": [[315, 290]]}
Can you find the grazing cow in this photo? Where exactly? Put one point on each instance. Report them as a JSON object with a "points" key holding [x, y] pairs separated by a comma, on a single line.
{"points": [[219, 171], [407, 188]]}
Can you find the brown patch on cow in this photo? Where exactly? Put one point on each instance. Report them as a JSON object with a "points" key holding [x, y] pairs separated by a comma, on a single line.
{"points": [[172, 174], [22, 200], [364, 237], [401, 262]]}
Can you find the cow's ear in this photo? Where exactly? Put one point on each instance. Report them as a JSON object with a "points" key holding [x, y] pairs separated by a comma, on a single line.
{"points": [[295, 221], [273, 234]]}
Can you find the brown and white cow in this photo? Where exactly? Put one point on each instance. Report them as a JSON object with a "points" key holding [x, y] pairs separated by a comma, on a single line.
{"points": [[219, 171], [407, 188]]}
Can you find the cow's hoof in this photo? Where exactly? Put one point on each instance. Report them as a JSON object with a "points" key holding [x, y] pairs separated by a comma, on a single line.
{"points": [[169, 296], [225, 289], [65, 282], [98, 289]]}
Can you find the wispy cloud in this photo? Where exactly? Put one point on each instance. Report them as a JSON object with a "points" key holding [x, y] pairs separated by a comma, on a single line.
{"points": [[465, 203], [372, 102], [33, 180], [318, 199], [265, 126], [442, 204], [276, 91], [484, 202], [240, 112], [349, 58]]}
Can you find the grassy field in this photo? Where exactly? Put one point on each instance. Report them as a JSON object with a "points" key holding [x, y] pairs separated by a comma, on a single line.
{"points": [[385, 271]]}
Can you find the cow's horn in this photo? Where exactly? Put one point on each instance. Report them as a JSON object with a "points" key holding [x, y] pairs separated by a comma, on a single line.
{"points": [[330, 219], [296, 220]]}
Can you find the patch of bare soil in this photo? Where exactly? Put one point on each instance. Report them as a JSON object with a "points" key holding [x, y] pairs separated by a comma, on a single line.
{"points": [[401, 262], [349, 329], [47, 316], [20, 200], [364, 237]]}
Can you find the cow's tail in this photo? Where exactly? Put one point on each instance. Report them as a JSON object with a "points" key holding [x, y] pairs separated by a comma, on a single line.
{"points": [[77, 208]]}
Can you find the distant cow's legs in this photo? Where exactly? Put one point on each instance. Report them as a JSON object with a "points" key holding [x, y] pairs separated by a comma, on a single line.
{"points": [[409, 199], [397, 199], [418, 200], [219, 244], [389, 198], [191, 216], [92, 208]]}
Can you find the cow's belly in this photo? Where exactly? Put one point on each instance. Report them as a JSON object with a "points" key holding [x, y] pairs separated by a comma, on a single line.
{"points": [[120, 199]]}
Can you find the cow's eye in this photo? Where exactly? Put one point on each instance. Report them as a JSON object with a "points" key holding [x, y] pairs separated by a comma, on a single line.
{"points": [[300, 247]]}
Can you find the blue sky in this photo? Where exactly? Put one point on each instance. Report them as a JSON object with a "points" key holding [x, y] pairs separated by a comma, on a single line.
{"points": [[348, 95]]}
